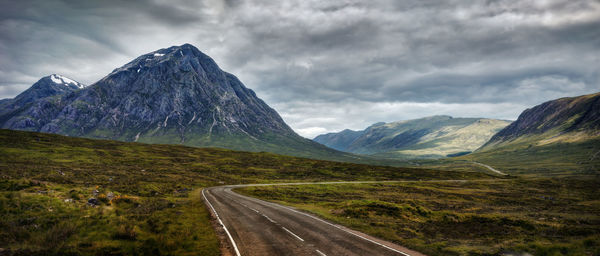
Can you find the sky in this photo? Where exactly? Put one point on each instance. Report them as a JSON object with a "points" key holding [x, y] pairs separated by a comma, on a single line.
{"points": [[326, 66]]}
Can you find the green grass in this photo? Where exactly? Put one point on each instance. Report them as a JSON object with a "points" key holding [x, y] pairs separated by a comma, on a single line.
{"points": [[158, 208], [38, 219], [536, 216], [555, 159]]}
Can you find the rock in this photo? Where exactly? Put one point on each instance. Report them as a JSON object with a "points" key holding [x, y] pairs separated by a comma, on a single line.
{"points": [[93, 202], [110, 196], [183, 190]]}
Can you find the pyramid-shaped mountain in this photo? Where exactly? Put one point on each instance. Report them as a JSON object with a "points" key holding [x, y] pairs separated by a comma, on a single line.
{"points": [[176, 95]]}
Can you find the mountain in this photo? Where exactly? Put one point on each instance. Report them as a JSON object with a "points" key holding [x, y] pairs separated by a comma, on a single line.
{"points": [[571, 119], [39, 93], [339, 141], [436, 136], [558, 137], [46, 87], [176, 95]]}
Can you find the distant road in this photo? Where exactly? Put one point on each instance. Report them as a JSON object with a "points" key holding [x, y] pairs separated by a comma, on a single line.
{"points": [[490, 168], [257, 227]]}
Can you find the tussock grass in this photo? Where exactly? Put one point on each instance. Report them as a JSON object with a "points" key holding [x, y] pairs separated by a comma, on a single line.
{"points": [[537, 216]]}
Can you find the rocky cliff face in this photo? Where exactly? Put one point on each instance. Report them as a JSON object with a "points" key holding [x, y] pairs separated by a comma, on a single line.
{"points": [[565, 119], [435, 136], [173, 95]]}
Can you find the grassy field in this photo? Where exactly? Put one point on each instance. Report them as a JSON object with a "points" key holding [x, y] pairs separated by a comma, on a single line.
{"points": [[560, 159], [536, 216], [40, 218], [528, 157], [146, 196]]}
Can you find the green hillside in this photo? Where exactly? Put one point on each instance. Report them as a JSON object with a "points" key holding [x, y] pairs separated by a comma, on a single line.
{"points": [[526, 157], [557, 137]]}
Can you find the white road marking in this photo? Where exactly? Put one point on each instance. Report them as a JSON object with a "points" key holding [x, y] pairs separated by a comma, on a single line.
{"points": [[271, 220], [237, 252], [334, 225], [321, 253], [245, 205], [292, 233]]}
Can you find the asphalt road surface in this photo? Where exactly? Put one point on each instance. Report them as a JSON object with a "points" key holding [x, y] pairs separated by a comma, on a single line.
{"points": [[257, 227]]}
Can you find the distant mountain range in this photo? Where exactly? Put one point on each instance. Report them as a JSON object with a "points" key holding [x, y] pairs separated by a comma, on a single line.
{"points": [[436, 136], [176, 95]]}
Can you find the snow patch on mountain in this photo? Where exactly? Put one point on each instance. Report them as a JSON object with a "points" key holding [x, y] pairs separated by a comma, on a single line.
{"points": [[58, 79]]}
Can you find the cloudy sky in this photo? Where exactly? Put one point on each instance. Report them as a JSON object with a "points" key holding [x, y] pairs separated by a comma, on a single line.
{"points": [[327, 65]]}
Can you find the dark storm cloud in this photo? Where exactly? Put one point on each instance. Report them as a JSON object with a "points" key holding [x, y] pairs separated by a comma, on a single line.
{"points": [[362, 61]]}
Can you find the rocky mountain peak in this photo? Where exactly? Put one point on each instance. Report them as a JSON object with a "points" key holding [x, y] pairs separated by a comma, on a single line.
{"points": [[175, 59]]}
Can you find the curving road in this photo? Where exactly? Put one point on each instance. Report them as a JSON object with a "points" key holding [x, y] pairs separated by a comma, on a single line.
{"points": [[257, 227]]}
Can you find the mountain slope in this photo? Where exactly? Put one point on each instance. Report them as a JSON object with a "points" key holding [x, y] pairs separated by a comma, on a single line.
{"points": [[176, 95], [558, 137], [562, 120], [436, 136], [340, 140]]}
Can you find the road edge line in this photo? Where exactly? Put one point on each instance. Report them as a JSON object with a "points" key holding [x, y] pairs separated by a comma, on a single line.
{"points": [[237, 252]]}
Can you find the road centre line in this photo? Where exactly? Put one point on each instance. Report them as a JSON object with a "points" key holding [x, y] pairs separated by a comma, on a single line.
{"points": [[292, 233], [321, 253], [336, 226]]}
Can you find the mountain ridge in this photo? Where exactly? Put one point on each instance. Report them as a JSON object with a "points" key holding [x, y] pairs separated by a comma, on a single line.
{"points": [[433, 136]]}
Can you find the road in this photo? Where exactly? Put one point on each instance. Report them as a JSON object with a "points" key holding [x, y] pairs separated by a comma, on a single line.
{"points": [[257, 227], [490, 168]]}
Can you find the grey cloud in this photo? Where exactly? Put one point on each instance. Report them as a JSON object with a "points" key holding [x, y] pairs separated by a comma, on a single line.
{"points": [[328, 54]]}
